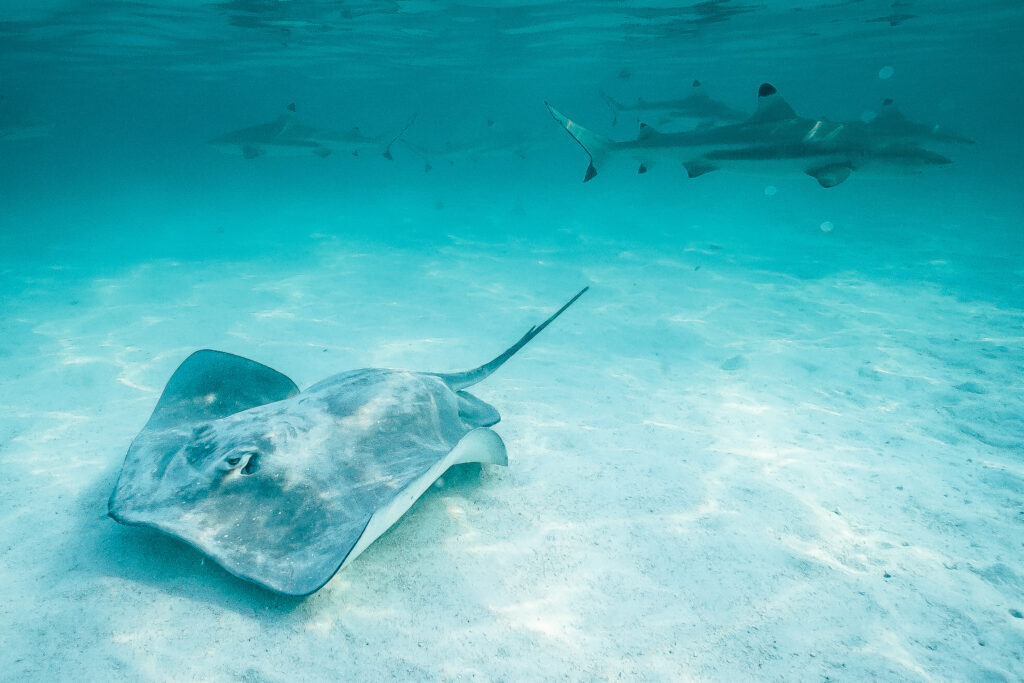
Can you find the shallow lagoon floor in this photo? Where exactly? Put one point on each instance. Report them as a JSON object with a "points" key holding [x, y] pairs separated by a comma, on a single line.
{"points": [[757, 448]]}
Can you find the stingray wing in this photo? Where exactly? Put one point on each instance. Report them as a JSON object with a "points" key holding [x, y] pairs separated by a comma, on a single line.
{"points": [[208, 386], [213, 384]]}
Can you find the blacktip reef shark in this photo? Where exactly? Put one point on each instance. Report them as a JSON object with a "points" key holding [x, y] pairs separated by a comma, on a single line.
{"points": [[21, 130], [890, 121], [16, 127], [697, 108], [774, 139], [490, 142], [284, 488], [287, 136]]}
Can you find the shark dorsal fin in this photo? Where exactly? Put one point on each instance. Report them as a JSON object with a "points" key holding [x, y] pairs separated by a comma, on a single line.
{"points": [[285, 120], [890, 112], [771, 106], [646, 132], [212, 384]]}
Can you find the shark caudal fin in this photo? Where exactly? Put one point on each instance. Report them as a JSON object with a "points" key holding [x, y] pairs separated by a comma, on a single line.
{"points": [[597, 147], [461, 380], [612, 103], [387, 148]]}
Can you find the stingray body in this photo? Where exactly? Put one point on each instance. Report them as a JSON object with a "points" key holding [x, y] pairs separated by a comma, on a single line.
{"points": [[283, 487]]}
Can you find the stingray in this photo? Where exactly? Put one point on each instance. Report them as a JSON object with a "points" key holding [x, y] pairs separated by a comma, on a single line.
{"points": [[285, 488]]}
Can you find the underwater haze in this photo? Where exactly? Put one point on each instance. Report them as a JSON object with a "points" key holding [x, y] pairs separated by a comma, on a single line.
{"points": [[780, 438]]}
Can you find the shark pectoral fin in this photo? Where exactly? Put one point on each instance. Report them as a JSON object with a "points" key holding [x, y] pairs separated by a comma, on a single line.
{"points": [[250, 151], [698, 168], [830, 175]]}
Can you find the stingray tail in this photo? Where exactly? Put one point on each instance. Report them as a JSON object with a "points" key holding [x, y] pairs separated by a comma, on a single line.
{"points": [[597, 147], [461, 380]]}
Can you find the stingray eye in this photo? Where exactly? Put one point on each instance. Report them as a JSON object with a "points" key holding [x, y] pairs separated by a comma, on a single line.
{"points": [[234, 460], [252, 466]]}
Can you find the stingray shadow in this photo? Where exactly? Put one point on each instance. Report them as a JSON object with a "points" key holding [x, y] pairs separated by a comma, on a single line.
{"points": [[147, 556]]}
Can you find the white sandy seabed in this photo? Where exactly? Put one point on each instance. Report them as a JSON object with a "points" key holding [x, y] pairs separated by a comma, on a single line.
{"points": [[717, 471]]}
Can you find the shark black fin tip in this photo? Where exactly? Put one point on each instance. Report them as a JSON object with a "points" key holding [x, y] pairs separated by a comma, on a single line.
{"points": [[591, 172], [766, 89], [642, 169], [696, 83], [291, 107]]}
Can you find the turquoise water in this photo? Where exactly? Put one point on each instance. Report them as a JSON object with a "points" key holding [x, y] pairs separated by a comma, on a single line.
{"points": [[780, 438]]}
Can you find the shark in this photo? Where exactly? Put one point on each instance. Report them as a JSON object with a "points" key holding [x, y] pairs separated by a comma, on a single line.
{"points": [[697, 109], [13, 126], [287, 136], [22, 130], [890, 121], [493, 140], [773, 140]]}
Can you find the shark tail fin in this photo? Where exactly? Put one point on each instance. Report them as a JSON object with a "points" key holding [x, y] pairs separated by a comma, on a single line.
{"points": [[613, 104], [421, 153], [461, 380], [597, 147], [387, 148]]}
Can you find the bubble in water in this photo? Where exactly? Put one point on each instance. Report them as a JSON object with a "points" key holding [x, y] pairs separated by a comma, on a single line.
{"points": [[770, 190], [886, 72], [827, 226]]}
